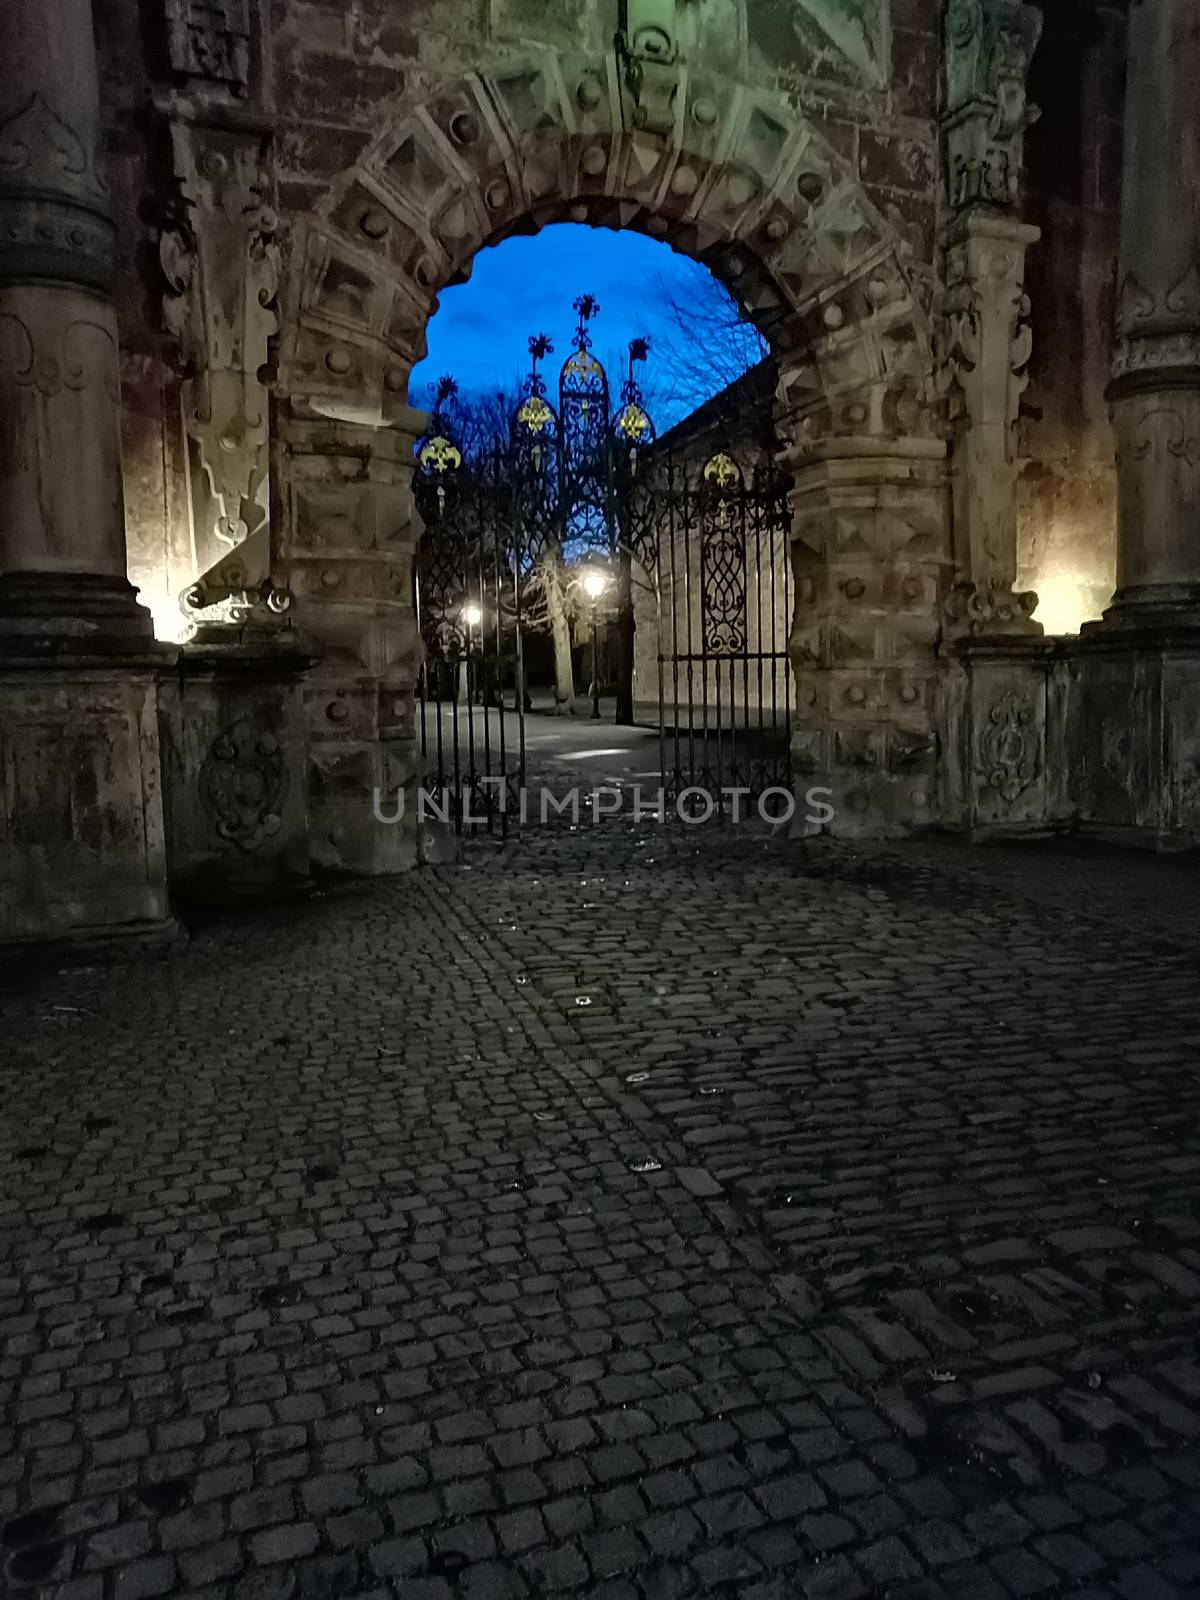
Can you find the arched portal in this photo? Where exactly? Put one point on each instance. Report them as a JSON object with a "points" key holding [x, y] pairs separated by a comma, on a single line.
{"points": [[755, 189]]}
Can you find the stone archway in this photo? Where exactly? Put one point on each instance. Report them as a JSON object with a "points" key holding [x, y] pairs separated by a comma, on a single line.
{"points": [[737, 178]]}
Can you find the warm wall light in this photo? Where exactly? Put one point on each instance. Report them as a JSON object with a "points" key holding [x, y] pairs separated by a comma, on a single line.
{"points": [[1064, 604], [472, 616], [594, 583], [170, 624]]}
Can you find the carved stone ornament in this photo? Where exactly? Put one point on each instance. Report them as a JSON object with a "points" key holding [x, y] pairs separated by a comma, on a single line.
{"points": [[1009, 748], [988, 45], [221, 261], [987, 609], [984, 343], [244, 783], [650, 57], [239, 588], [54, 216], [210, 39], [1153, 337]]}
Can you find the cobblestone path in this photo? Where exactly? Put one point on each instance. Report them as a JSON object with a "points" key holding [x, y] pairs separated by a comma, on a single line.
{"points": [[627, 1214]]}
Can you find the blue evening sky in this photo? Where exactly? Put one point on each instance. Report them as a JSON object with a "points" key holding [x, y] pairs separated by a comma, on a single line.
{"points": [[480, 333]]}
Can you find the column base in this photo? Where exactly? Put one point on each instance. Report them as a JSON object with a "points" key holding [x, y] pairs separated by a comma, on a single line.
{"points": [[44, 615], [1134, 731], [82, 846], [82, 850], [1002, 721]]}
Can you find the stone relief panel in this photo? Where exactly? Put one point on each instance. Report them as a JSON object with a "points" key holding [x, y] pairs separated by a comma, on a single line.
{"points": [[244, 784], [988, 46], [209, 39], [1010, 749], [221, 261]]}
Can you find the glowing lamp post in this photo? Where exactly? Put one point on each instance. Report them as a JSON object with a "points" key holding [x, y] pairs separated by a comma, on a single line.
{"points": [[472, 616], [595, 582]]}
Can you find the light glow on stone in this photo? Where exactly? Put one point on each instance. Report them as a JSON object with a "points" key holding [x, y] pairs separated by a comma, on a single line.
{"points": [[1064, 603]]}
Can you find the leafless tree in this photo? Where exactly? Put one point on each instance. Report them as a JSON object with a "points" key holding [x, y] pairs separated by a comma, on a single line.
{"points": [[481, 426], [708, 343]]}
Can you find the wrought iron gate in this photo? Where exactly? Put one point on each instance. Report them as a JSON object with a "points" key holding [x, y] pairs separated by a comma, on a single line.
{"points": [[693, 549], [467, 594], [711, 538]]}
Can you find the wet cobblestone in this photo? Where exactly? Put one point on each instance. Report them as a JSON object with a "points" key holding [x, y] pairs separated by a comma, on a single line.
{"points": [[629, 1212]]}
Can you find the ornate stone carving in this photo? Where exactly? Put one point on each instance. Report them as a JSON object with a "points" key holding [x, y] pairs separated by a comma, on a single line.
{"points": [[239, 589], [221, 261], [987, 608], [36, 142], [985, 342], [988, 47], [1009, 748], [650, 52], [210, 39], [83, 352], [53, 213], [1135, 304], [1163, 432], [244, 784]]}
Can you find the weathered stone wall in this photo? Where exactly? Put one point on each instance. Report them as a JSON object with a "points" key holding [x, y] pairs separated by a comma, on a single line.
{"points": [[793, 145], [1067, 549]]}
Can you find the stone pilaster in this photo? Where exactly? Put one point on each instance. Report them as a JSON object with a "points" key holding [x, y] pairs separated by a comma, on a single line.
{"points": [[81, 838], [347, 535], [983, 331], [870, 558], [987, 344]]}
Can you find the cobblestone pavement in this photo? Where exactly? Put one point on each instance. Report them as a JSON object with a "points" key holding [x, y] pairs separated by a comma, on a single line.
{"points": [[631, 1213]]}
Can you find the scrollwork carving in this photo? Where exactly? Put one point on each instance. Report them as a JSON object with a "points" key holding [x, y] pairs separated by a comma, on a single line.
{"points": [[1135, 304], [220, 259], [244, 784], [35, 143], [1183, 298], [81, 353], [972, 608], [1010, 748], [1163, 431]]}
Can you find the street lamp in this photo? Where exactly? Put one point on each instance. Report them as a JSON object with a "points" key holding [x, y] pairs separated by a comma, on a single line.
{"points": [[472, 616], [595, 582]]}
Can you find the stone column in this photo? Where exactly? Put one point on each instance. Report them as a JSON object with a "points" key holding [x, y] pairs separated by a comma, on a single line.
{"points": [[1134, 730], [1156, 365], [81, 824]]}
